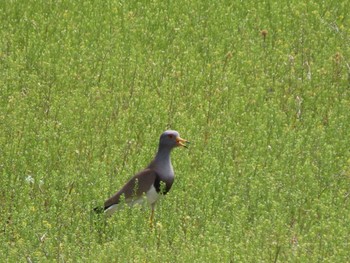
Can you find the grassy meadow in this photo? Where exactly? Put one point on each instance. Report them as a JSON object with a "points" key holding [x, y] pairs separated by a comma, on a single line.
{"points": [[261, 89]]}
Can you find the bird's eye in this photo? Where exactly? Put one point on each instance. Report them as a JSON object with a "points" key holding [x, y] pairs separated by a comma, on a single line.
{"points": [[170, 136]]}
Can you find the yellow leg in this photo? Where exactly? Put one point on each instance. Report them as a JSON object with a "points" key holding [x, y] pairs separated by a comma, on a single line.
{"points": [[152, 216]]}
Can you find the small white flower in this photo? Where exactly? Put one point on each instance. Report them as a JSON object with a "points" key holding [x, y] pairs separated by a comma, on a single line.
{"points": [[29, 179]]}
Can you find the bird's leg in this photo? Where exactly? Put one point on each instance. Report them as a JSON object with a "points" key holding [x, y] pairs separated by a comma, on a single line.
{"points": [[152, 215]]}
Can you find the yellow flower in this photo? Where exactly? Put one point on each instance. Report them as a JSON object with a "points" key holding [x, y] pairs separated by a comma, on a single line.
{"points": [[47, 224]]}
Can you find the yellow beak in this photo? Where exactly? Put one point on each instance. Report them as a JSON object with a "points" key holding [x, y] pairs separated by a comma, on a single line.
{"points": [[181, 142]]}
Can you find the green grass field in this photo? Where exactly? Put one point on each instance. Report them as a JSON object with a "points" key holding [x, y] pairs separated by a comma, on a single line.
{"points": [[262, 90]]}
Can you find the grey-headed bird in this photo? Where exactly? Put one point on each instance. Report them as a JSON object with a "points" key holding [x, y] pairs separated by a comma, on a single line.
{"points": [[157, 178]]}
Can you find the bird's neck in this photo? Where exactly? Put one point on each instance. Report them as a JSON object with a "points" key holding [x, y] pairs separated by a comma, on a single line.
{"points": [[163, 155], [162, 162]]}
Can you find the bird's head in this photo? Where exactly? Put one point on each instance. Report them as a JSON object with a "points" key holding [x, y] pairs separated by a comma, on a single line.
{"points": [[172, 139]]}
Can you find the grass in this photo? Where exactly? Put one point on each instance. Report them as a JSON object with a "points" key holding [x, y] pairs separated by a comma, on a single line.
{"points": [[261, 89]]}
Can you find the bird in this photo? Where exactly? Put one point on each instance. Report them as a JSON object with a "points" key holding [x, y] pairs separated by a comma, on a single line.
{"points": [[152, 182]]}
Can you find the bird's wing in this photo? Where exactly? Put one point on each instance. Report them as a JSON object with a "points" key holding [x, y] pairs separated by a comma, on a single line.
{"points": [[134, 188]]}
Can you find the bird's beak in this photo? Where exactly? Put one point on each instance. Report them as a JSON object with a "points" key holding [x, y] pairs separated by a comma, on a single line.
{"points": [[181, 142]]}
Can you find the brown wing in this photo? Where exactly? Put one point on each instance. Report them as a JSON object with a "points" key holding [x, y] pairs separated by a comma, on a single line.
{"points": [[135, 187]]}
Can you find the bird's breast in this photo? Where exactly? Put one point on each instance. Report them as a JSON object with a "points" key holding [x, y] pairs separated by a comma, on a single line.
{"points": [[152, 195], [163, 185]]}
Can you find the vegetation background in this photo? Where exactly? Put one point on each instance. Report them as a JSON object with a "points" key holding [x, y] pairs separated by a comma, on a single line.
{"points": [[262, 89]]}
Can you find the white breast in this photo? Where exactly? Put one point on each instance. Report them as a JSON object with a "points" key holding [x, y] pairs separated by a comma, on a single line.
{"points": [[152, 195]]}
